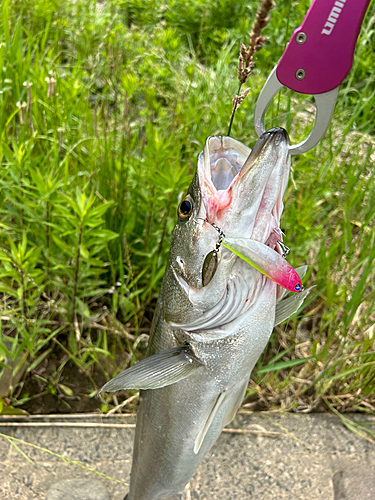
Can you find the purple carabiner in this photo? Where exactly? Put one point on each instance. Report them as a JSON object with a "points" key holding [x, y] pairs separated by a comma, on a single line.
{"points": [[320, 53], [316, 60]]}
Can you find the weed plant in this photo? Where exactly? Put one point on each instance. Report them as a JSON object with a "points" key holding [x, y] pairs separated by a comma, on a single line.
{"points": [[104, 108]]}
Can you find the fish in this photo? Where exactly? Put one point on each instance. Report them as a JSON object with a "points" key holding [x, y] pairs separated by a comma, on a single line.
{"points": [[215, 312]]}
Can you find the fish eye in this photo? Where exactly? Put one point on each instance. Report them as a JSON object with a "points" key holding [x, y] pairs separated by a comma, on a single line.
{"points": [[185, 208]]}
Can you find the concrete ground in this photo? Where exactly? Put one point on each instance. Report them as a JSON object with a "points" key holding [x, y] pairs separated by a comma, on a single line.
{"points": [[272, 456]]}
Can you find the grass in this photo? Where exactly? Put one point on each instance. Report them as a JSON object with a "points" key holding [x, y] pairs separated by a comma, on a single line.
{"points": [[103, 110], [16, 443]]}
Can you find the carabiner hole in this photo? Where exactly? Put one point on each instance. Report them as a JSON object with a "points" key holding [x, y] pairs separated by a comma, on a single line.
{"points": [[292, 111]]}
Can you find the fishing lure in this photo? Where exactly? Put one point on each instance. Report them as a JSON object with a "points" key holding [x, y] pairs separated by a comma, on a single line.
{"points": [[263, 258]]}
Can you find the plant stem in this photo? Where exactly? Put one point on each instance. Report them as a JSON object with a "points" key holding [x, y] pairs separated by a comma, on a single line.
{"points": [[47, 242], [24, 297], [233, 111], [12, 439], [78, 256]]}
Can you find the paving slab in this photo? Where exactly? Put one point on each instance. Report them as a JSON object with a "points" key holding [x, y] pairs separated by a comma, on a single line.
{"points": [[271, 456]]}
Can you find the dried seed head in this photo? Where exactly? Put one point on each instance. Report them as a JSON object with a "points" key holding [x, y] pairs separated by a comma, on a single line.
{"points": [[246, 56], [256, 41], [237, 100]]}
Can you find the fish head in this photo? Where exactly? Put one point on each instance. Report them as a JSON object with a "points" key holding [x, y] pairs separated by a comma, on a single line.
{"points": [[243, 193], [194, 252], [236, 192]]}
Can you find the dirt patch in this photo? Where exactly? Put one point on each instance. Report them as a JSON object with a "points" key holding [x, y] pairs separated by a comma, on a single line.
{"points": [[49, 397]]}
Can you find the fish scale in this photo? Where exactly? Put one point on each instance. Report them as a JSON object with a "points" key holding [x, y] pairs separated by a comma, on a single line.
{"points": [[175, 446], [209, 330]]}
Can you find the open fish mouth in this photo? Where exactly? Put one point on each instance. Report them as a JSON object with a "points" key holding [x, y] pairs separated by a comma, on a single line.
{"points": [[225, 164], [242, 190]]}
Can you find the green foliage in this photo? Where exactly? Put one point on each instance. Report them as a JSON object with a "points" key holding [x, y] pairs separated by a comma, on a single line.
{"points": [[104, 108]]}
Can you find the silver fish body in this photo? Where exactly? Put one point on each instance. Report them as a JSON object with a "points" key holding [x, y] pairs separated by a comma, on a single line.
{"points": [[169, 419], [212, 321]]}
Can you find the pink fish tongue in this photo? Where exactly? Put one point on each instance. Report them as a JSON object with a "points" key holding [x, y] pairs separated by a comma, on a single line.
{"points": [[267, 261]]}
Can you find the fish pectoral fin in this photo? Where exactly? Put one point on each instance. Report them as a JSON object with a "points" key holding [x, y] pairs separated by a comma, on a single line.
{"points": [[286, 307], [158, 370], [228, 402]]}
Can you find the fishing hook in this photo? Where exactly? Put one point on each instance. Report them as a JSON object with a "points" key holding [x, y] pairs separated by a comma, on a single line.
{"points": [[283, 247]]}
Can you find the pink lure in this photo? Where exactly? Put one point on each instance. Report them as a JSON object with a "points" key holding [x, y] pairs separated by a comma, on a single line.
{"points": [[265, 260]]}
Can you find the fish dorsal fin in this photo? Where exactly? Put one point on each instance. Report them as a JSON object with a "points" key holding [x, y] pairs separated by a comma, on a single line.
{"points": [[286, 307], [229, 401], [302, 270], [158, 370]]}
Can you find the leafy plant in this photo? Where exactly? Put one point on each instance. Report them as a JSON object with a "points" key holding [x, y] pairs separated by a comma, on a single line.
{"points": [[103, 111]]}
